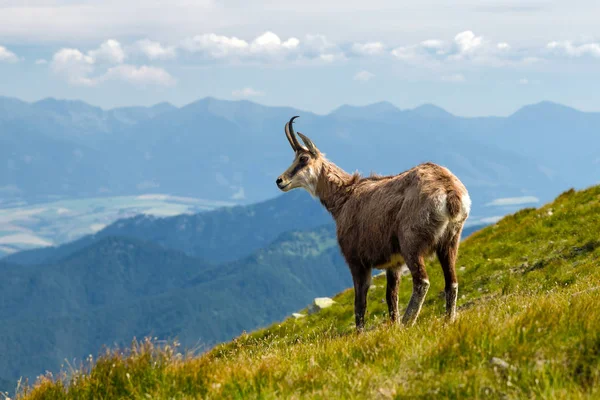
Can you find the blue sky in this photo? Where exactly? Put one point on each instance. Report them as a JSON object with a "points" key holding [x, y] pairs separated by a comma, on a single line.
{"points": [[470, 57]]}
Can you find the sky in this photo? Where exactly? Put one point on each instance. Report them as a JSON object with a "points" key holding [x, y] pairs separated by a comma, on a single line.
{"points": [[471, 57]]}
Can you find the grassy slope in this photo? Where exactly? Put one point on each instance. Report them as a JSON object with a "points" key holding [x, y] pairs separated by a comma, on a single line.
{"points": [[526, 296]]}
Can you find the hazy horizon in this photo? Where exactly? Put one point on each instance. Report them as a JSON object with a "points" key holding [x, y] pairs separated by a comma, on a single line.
{"points": [[264, 104], [472, 59]]}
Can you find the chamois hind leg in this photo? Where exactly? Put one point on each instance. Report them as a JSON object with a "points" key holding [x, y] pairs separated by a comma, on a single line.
{"points": [[391, 294], [447, 252], [416, 266], [362, 282]]}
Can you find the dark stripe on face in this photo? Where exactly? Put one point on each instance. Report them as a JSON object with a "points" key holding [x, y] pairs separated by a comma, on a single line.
{"points": [[301, 164]]}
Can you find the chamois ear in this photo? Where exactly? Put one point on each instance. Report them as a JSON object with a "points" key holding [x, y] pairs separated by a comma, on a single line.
{"points": [[309, 144]]}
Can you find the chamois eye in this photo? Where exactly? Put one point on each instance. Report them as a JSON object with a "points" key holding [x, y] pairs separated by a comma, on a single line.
{"points": [[304, 159]]}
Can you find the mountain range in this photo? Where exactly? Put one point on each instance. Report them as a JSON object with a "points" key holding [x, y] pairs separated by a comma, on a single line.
{"points": [[214, 152], [233, 150]]}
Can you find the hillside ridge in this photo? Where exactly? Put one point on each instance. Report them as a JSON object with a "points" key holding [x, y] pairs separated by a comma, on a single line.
{"points": [[527, 328]]}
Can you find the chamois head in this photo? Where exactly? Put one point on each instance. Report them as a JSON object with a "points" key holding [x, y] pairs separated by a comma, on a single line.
{"points": [[304, 171]]}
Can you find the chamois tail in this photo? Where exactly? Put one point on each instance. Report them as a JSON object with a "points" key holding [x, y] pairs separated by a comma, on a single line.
{"points": [[454, 204]]}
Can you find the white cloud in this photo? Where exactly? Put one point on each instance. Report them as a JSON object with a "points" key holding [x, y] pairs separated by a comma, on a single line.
{"points": [[364, 76], [265, 47], [406, 53], [466, 48], [318, 47], [523, 81], [368, 49], [247, 92], [79, 68], [110, 52], [155, 51], [467, 43], [427, 53], [143, 75], [215, 46], [568, 48], [7, 55], [432, 44], [41, 61], [319, 43], [270, 42], [74, 66], [513, 201], [85, 20]]}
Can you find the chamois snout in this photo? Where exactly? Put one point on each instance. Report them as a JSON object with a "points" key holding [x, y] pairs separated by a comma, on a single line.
{"points": [[281, 184]]}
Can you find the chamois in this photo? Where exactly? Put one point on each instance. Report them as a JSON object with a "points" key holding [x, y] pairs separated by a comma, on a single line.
{"points": [[384, 221]]}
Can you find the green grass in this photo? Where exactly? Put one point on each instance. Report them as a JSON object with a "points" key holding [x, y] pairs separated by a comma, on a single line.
{"points": [[529, 295]]}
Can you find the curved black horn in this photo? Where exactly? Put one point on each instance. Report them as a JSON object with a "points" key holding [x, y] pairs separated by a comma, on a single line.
{"points": [[289, 132], [289, 137]]}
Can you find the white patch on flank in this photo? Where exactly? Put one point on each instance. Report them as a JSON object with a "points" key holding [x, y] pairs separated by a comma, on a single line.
{"points": [[466, 204], [440, 202], [441, 208], [455, 285]]}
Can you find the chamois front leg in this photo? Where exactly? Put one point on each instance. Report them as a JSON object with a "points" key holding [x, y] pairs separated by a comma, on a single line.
{"points": [[391, 293], [362, 282], [420, 287]]}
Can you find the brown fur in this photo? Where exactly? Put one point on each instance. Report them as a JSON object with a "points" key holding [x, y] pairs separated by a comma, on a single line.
{"points": [[384, 220]]}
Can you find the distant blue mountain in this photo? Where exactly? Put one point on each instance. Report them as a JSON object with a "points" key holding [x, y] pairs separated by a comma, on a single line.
{"points": [[431, 111], [233, 150], [379, 110]]}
